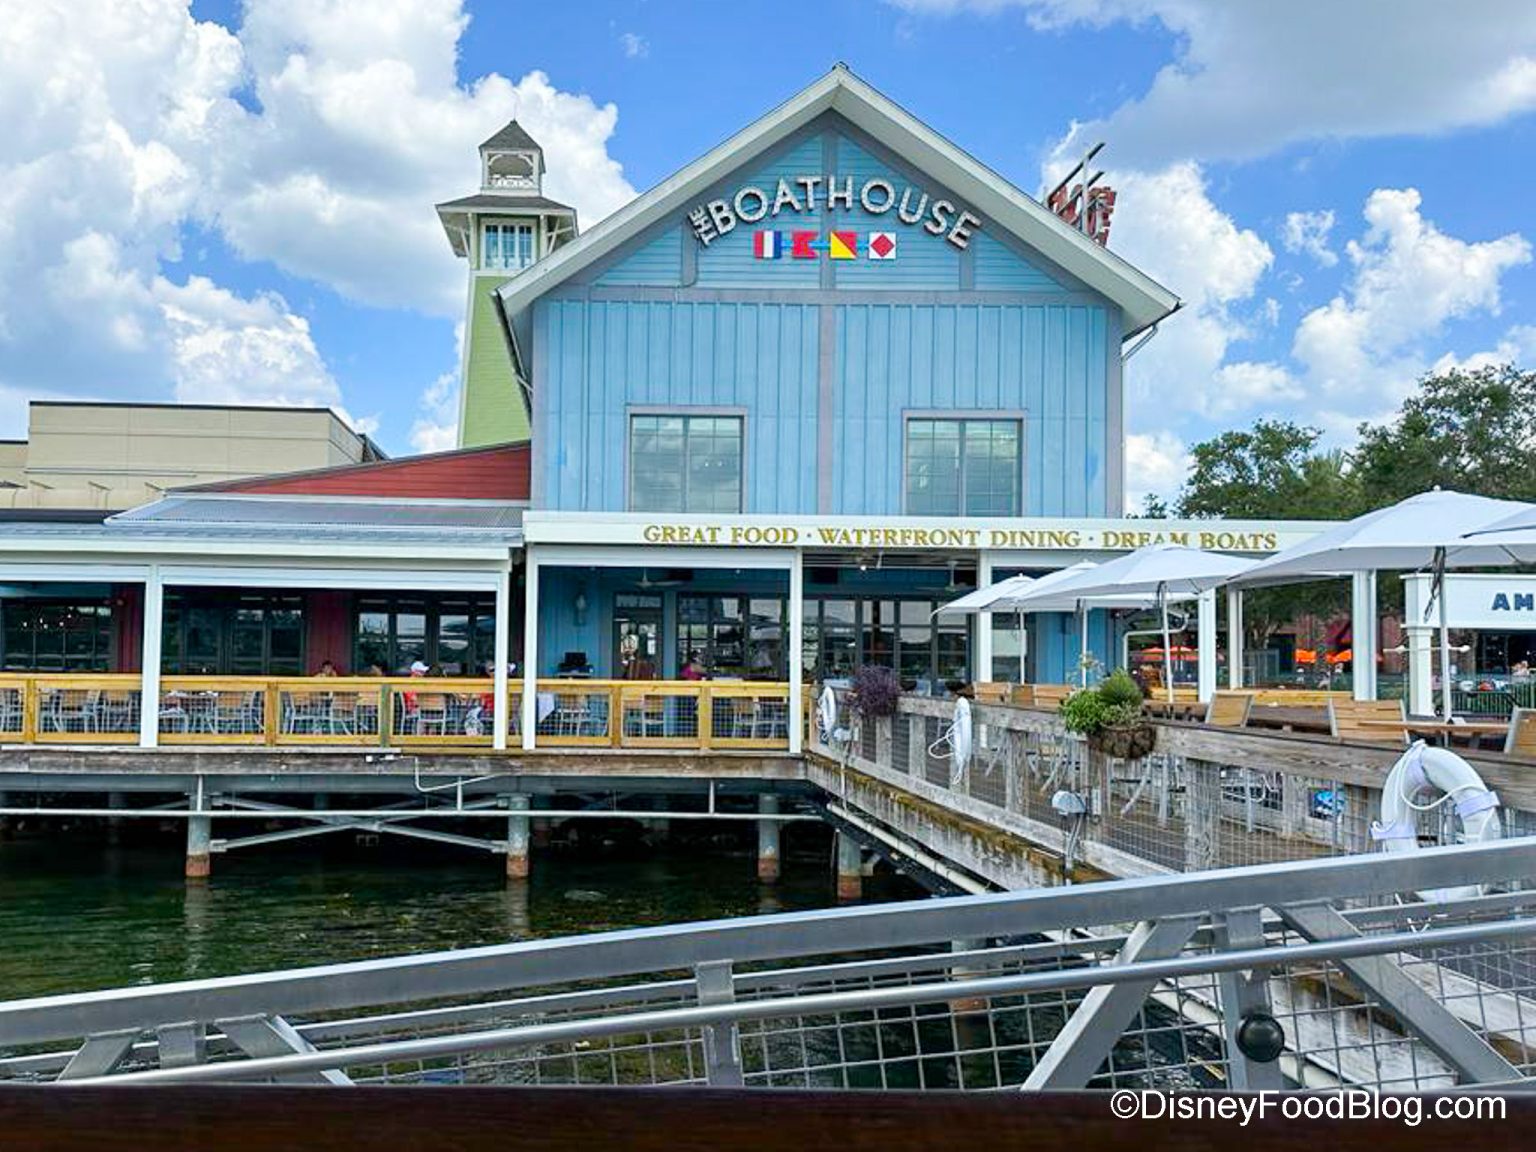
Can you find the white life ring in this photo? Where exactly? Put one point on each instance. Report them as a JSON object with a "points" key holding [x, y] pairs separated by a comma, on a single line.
{"points": [[826, 718], [1425, 770]]}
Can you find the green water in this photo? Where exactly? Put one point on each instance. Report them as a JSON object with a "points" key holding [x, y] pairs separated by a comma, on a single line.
{"points": [[77, 913]]}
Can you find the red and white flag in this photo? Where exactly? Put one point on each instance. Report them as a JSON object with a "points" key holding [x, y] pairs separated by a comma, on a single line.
{"points": [[881, 246]]}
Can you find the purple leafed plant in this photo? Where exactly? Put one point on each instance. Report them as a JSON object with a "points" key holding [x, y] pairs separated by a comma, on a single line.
{"points": [[876, 689]]}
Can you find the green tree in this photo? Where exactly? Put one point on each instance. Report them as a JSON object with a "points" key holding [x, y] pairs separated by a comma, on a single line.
{"points": [[1467, 431], [1273, 471]]}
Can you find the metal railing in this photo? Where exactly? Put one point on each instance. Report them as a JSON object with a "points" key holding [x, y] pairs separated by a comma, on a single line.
{"points": [[1138, 983], [1206, 797], [395, 712]]}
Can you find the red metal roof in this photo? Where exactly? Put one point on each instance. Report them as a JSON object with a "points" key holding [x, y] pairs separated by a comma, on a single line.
{"points": [[496, 473]]}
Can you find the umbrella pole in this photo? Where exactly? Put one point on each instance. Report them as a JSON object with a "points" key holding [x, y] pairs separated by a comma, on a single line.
{"points": [[1445, 637], [1162, 602], [1082, 655]]}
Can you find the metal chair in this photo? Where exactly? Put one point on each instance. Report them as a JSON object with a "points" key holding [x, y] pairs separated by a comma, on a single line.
{"points": [[10, 710]]}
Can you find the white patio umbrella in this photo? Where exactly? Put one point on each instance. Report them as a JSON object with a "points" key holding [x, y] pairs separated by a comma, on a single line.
{"points": [[1002, 596], [1514, 535], [1162, 571], [1435, 530]]}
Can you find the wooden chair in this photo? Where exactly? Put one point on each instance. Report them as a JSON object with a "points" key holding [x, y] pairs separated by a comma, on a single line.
{"points": [[1049, 697], [990, 692], [1344, 718], [1229, 709], [1521, 740]]}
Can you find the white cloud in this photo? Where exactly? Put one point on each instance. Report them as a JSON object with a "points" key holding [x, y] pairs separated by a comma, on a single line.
{"points": [[1249, 78], [1155, 465], [1518, 346], [1408, 279], [635, 46], [437, 429], [125, 125], [1167, 225], [1308, 232]]}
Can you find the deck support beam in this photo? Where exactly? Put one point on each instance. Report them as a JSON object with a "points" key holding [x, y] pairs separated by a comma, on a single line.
{"points": [[1235, 652]]}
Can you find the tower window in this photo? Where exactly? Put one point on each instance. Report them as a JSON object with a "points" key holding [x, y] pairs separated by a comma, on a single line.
{"points": [[508, 246]]}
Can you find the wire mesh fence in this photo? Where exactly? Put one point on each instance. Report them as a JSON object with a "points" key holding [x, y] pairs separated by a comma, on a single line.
{"points": [[1175, 813]]}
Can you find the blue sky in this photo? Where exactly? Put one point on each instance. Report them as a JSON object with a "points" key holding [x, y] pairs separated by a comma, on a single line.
{"points": [[232, 201]]}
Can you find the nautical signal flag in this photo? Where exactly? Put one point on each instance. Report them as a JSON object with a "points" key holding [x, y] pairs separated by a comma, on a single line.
{"points": [[768, 245], [843, 245]]}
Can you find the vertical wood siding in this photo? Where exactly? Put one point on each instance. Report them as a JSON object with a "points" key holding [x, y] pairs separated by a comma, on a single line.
{"points": [[1048, 361], [604, 357]]}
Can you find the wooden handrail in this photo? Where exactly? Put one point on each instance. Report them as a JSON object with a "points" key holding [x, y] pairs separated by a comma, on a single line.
{"points": [[210, 710]]}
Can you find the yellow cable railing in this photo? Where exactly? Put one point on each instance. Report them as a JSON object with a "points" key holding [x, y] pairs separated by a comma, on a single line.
{"points": [[396, 711]]}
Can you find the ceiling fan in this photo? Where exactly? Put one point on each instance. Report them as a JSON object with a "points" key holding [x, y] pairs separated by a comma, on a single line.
{"points": [[646, 583]]}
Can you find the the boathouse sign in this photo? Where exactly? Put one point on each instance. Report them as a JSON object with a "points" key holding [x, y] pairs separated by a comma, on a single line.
{"points": [[758, 204]]}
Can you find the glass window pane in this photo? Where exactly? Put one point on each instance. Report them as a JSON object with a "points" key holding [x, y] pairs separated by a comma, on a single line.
{"points": [[685, 464]]}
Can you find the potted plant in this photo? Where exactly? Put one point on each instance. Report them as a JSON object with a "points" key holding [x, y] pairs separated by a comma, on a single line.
{"points": [[876, 689], [1109, 717]]}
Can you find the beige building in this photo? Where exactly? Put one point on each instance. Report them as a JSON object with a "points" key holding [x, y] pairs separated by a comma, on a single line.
{"points": [[116, 456]]}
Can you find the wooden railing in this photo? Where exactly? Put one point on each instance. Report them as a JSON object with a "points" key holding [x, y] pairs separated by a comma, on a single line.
{"points": [[351, 711]]}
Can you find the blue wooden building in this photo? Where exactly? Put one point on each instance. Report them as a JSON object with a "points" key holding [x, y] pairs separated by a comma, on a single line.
{"points": [[820, 380]]}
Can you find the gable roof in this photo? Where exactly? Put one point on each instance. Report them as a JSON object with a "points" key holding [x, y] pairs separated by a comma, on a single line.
{"points": [[497, 473], [1142, 300]]}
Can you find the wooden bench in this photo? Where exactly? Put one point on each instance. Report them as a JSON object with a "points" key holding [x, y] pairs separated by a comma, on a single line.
{"points": [[1345, 716], [1229, 709], [1049, 697], [991, 692], [1521, 740]]}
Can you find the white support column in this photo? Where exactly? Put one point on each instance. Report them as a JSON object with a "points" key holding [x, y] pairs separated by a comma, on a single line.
{"points": [[983, 668], [149, 660], [796, 654], [530, 646], [503, 655], [1363, 628], [1235, 652], [1206, 680], [1421, 661]]}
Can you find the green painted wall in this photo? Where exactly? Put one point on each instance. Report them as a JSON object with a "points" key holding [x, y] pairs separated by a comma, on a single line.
{"points": [[493, 406]]}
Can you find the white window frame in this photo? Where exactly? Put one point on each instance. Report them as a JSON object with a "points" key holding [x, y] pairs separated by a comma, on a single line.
{"points": [[511, 225], [685, 413], [964, 416]]}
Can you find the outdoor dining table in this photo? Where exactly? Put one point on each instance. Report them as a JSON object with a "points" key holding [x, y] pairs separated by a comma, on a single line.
{"points": [[1474, 730]]}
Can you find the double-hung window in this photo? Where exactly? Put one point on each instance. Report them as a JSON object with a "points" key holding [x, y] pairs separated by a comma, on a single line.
{"points": [[685, 463], [508, 246], [969, 467]]}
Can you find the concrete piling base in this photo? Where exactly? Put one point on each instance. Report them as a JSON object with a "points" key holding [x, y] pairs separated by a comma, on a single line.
{"points": [[850, 868], [518, 836], [199, 848], [768, 842]]}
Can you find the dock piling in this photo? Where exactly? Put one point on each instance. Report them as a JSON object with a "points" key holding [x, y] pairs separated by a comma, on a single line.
{"points": [[768, 842], [517, 835]]}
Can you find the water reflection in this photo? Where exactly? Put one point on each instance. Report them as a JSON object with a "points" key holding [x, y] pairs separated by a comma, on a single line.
{"points": [[76, 914]]}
